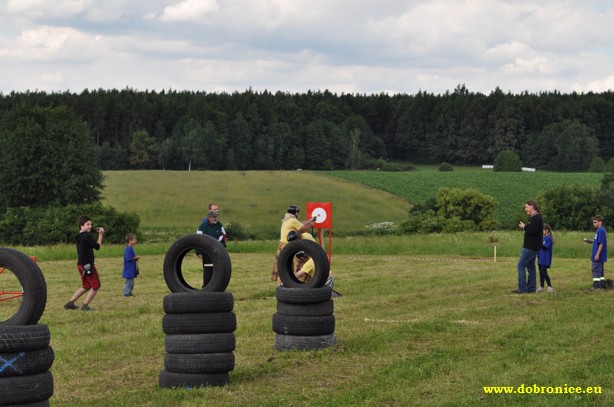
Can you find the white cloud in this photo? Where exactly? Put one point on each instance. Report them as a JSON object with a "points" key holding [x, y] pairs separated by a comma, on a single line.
{"points": [[46, 43], [47, 8], [189, 10], [341, 45]]}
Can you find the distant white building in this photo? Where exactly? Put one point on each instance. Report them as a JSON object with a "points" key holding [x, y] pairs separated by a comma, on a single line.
{"points": [[488, 167], [527, 169]]}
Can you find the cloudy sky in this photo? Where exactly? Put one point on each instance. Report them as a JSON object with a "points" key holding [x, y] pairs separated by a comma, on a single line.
{"points": [[364, 46]]}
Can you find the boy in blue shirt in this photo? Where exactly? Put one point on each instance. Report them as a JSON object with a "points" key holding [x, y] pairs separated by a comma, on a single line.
{"points": [[131, 269], [599, 253]]}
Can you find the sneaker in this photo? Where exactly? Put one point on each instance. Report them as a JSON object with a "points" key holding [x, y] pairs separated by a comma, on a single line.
{"points": [[70, 305], [539, 289], [86, 307], [129, 295], [518, 292], [550, 289]]}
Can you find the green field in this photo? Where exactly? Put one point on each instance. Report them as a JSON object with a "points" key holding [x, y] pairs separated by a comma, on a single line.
{"points": [[173, 203], [511, 189], [424, 321]]}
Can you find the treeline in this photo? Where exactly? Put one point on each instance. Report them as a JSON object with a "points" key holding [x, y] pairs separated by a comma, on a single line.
{"points": [[322, 130]]}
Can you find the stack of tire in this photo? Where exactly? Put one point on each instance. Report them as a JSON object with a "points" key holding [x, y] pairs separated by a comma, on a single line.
{"points": [[304, 318], [25, 354], [199, 324]]}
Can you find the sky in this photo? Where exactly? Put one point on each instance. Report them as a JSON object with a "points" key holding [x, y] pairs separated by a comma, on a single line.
{"points": [[344, 46]]}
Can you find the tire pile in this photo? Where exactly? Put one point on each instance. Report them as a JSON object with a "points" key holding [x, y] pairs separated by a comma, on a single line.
{"points": [[25, 354], [199, 324], [304, 318]]}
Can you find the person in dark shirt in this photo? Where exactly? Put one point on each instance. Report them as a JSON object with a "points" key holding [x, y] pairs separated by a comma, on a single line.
{"points": [[533, 235], [210, 226], [85, 263]]}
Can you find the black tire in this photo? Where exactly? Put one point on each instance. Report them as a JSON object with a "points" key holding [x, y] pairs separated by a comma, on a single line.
{"points": [[26, 389], [285, 264], [187, 380], [306, 310], [24, 338], [200, 343], [210, 247], [303, 326], [196, 363], [295, 342], [198, 301], [32, 284], [204, 323], [26, 363], [303, 295]]}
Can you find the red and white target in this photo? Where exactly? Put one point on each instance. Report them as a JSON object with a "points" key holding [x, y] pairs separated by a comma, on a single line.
{"points": [[323, 212]]}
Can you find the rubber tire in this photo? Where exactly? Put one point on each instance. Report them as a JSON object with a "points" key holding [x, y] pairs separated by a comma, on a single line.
{"points": [[26, 389], [303, 326], [306, 310], [26, 363], [24, 338], [196, 363], [204, 323], [33, 284], [285, 264], [187, 380], [200, 343], [174, 257], [296, 342], [303, 295], [198, 301]]}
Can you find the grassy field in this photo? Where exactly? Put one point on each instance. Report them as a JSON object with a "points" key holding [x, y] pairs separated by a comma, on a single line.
{"points": [[173, 203], [412, 331], [424, 320], [511, 189]]}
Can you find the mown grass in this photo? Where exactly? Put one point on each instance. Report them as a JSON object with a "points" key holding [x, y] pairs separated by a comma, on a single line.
{"points": [[511, 189], [412, 330], [173, 203]]}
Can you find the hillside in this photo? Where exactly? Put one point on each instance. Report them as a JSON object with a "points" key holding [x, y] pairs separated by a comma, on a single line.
{"points": [[176, 201]]}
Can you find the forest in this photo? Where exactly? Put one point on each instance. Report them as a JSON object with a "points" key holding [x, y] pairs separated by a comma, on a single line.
{"points": [[320, 130]]}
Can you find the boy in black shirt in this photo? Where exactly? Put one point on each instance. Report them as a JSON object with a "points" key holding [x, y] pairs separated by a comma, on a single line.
{"points": [[85, 263]]}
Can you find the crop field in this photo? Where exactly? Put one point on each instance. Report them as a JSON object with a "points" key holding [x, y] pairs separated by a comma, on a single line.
{"points": [[511, 189]]}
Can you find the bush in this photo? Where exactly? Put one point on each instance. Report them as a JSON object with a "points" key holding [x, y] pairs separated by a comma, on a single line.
{"points": [[42, 226], [597, 165], [422, 222], [452, 210], [507, 160], [609, 167], [445, 167], [570, 207]]}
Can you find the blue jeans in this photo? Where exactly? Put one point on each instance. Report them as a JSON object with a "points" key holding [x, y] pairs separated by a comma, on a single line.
{"points": [[527, 261], [128, 286]]}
